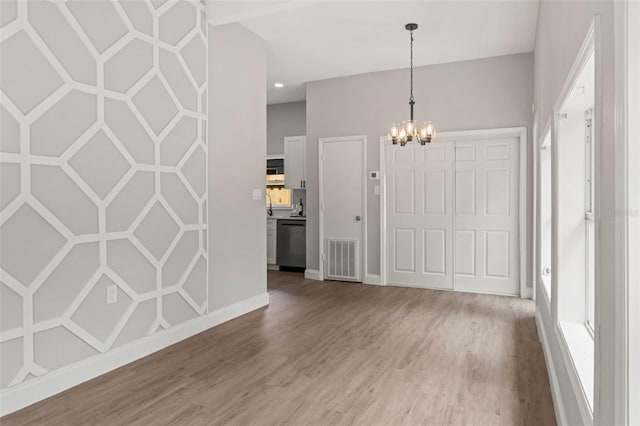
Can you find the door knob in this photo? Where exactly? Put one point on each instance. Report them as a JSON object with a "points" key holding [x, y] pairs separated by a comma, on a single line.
{"points": [[358, 218]]}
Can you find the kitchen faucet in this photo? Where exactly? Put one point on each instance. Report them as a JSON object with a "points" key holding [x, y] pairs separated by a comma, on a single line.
{"points": [[270, 211]]}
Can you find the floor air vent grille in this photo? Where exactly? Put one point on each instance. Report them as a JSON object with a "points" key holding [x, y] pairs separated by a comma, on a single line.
{"points": [[342, 260]]}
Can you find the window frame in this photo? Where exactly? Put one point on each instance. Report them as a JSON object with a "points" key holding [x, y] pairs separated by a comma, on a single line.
{"points": [[543, 248], [589, 222], [577, 345], [627, 160]]}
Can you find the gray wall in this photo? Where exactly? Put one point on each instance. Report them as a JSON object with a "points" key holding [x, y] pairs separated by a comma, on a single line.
{"points": [[287, 119], [562, 27], [237, 152], [103, 179], [479, 94]]}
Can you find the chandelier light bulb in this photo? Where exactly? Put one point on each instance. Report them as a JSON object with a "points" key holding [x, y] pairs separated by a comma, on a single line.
{"points": [[393, 133], [426, 132], [431, 130], [402, 135], [410, 125]]}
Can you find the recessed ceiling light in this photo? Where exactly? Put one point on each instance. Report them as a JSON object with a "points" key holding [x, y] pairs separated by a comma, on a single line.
{"points": [[279, 85]]}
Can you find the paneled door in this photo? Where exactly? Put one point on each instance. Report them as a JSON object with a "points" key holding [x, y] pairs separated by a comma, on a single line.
{"points": [[341, 175], [486, 216], [419, 184], [452, 218]]}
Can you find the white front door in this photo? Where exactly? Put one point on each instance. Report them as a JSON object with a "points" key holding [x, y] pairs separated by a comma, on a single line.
{"points": [[420, 215], [452, 217], [341, 172]]}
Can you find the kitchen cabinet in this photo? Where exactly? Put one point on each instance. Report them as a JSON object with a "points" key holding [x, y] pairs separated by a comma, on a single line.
{"points": [[295, 156], [272, 244]]}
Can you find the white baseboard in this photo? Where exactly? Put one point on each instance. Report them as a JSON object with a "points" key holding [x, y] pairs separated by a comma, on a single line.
{"points": [[312, 274], [558, 404], [372, 279], [32, 391], [272, 267], [527, 293]]}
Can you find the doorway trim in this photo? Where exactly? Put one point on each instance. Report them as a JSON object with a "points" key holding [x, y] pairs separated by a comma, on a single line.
{"points": [[519, 132], [363, 251]]}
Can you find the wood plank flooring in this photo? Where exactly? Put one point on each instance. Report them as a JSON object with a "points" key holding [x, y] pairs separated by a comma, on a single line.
{"points": [[326, 353]]}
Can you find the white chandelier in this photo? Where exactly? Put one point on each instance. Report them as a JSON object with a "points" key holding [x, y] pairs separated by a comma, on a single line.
{"points": [[408, 131]]}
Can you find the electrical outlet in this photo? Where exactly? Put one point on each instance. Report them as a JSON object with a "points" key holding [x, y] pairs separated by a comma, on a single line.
{"points": [[112, 294]]}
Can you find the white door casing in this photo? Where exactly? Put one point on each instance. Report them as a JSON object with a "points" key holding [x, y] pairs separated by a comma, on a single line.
{"points": [[341, 173], [480, 242], [419, 215]]}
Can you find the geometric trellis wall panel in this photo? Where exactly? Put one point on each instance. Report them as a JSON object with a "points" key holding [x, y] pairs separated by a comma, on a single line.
{"points": [[103, 177]]}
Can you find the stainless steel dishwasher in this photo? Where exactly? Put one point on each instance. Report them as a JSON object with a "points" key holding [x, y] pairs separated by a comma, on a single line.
{"points": [[292, 243]]}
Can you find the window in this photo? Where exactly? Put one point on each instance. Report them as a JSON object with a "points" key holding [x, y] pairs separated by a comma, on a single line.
{"points": [[575, 227], [279, 196], [589, 221], [573, 221]]}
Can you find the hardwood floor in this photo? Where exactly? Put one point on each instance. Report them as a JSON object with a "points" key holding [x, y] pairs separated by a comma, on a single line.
{"points": [[327, 353]]}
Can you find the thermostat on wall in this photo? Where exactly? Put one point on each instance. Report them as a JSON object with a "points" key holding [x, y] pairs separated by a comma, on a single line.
{"points": [[374, 175]]}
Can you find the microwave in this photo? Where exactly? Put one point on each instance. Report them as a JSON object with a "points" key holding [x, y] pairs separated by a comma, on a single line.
{"points": [[275, 166], [275, 171]]}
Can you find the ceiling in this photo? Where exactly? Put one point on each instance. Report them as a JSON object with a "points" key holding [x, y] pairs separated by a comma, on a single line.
{"points": [[312, 40]]}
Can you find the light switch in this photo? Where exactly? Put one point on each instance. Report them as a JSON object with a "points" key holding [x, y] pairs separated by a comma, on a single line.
{"points": [[374, 175], [257, 194], [376, 189]]}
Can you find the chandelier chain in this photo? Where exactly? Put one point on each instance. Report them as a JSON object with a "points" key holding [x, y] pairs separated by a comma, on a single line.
{"points": [[411, 94]]}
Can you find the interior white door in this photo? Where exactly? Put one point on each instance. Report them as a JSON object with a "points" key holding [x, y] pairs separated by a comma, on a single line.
{"points": [[486, 216], [452, 215], [419, 185], [341, 168]]}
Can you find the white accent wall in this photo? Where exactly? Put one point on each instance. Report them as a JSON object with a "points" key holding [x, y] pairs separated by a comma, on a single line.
{"points": [[106, 176], [103, 177]]}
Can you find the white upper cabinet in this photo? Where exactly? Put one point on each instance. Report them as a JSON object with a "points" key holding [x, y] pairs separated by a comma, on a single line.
{"points": [[295, 157]]}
